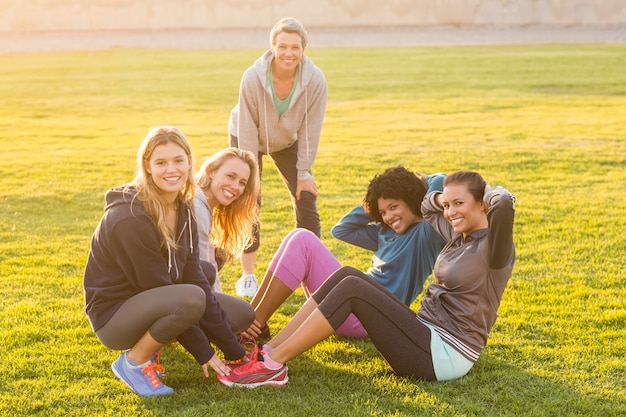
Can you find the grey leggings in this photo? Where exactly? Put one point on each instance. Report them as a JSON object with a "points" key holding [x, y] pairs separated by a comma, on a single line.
{"points": [[393, 328], [166, 312], [240, 312]]}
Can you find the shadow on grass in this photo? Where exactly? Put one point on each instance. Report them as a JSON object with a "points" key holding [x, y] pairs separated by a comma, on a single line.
{"points": [[338, 377], [338, 387]]}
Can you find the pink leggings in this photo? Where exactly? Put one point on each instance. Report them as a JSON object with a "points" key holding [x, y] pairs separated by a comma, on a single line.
{"points": [[303, 259]]}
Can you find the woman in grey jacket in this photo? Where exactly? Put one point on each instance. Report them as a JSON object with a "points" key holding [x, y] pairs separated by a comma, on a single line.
{"points": [[457, 312], [282, 102]]}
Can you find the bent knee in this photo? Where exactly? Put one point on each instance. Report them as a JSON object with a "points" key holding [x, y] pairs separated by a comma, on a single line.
{"points": [[194, 299], [347, 271], [304, 235]]}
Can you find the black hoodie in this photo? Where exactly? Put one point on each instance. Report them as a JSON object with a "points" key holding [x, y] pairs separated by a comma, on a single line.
{"points": [[127, 257]]}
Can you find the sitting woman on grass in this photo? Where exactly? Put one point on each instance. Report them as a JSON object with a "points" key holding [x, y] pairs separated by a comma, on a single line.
{"points": [[143, 283], [389, 223], [226, 208], [446, 336]]}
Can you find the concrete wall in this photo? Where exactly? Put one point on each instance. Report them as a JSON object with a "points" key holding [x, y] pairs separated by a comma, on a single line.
{"points": [[19, 16]]}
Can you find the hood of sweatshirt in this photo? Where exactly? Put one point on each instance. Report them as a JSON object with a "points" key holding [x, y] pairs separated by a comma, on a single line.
{"points": [[256, 125], [121, 196], [305, 73]]}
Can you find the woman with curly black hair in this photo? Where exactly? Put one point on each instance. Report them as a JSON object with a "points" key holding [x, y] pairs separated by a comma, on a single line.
{"points": [[388, 222], [445, 337]]}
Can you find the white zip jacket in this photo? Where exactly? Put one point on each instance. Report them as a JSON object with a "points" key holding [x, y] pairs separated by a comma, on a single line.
{"points": [[258, 126]]}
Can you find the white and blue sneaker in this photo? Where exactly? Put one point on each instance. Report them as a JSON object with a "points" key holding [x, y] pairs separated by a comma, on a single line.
{"points": [[246, 286], [142, 379]]}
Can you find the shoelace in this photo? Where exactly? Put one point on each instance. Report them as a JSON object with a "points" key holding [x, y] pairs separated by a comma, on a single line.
{"points": [[156, 360], [252, 351], [150, 374]]}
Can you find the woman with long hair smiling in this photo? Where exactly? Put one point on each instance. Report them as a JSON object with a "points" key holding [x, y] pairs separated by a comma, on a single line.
{"points": [[143, 283], [226, 209]]}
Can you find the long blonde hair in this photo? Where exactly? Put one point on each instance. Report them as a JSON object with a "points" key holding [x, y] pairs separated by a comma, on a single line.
{"points": [[147, 191], [232, 225]]}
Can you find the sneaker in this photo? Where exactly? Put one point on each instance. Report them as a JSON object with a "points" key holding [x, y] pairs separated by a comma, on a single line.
{"points": [[255, 374], [143, 380], [246, 286]]}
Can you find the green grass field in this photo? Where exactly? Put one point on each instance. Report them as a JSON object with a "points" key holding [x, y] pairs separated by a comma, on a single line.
{"points": [[547, 122]]}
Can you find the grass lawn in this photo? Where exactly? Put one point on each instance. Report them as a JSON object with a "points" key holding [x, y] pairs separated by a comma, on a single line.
{"points": [[547, 122]]}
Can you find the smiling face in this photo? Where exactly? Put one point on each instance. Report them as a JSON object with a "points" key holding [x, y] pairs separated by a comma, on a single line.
{"points": [[461, 209], [228, 182], [288, 51], [397, 214], [169, 167]]}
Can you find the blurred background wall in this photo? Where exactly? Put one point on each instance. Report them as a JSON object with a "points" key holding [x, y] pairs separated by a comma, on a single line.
{"points": [[20, 16]]}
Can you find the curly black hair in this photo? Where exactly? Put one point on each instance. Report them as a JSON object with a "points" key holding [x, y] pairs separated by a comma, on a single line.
{"points": [[398, 183]]}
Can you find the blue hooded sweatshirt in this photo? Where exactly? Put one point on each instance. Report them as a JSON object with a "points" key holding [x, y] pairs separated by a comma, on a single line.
{"points": [[401, 262]]}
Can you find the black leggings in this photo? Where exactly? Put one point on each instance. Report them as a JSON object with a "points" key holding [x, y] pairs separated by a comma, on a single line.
{"points": [[393, 327], [304, 209]]}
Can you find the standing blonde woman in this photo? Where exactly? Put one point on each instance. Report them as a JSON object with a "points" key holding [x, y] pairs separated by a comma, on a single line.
{"points": [[280, 113], [143, 283]]}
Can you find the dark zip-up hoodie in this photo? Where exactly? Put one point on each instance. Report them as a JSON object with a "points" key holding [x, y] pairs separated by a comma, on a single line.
{"points": [[127, 257]]}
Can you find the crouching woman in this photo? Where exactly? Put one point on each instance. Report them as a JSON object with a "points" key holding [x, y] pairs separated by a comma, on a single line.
{"points": [[143, 283]]}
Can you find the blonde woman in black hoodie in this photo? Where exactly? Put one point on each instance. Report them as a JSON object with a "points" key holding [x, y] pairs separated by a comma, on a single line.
{"points": [[143, 283]]}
